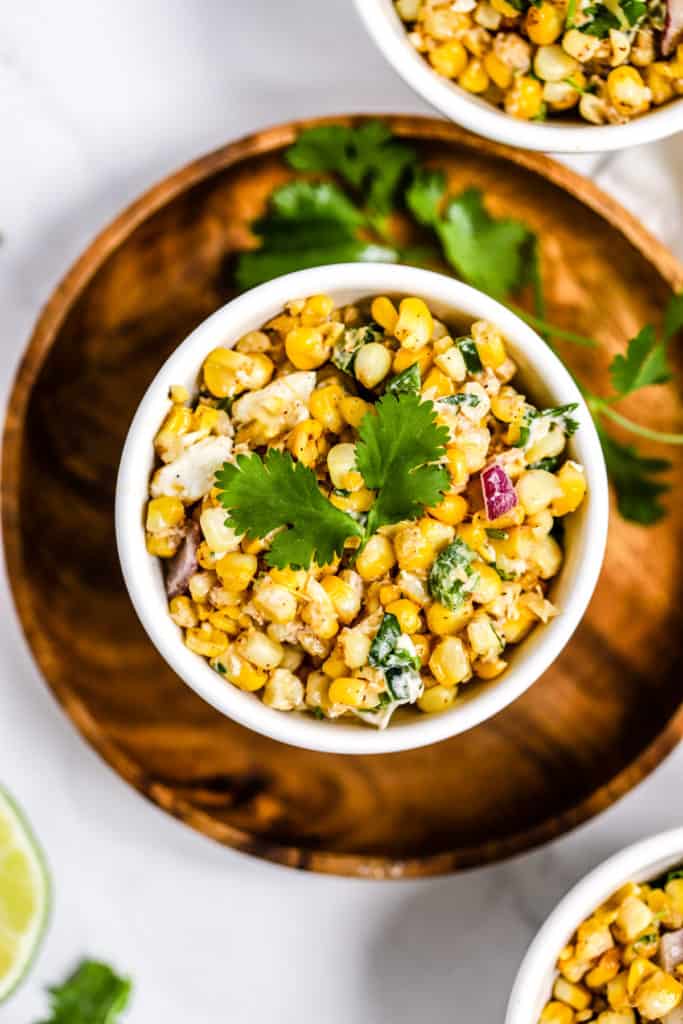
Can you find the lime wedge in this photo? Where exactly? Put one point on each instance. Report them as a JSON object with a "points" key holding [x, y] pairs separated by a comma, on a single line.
{"points": [[24, 896]]}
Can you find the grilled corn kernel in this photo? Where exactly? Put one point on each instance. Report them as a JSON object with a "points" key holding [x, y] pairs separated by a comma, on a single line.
{"points": [[489, 584], [238, 670], [206, 640], [505, 8], [451, 510], [437, 384], [627, 91], [524, 99], [406, 357], [162, 545], [658, 995], [606, 969], [537, 489], [658, 81], [490, 347], [451, 362], [557, 1013], [164, 513], [518, 626], [450, 663], [341, 465], [456, 460], [389, 592], [499, 72], [225, 621], [408, 615], [423, 647], [259, 649], [544, 24], [317, 309], [335, 666], [507, 404], [359, 501], [219, 537], [436, 698], [443, 622], [344, 597], [576, 996], [384, 313], [376, 558], [372, 364], [413, 550], [546, 554], [449, 59], [236, 570], [572, 483], [580, 45], [303, 441], [179, 394], [182, 612], [473, 534], [547, 447], [354, 693], [307, 348], [324, 406], [489, 668], [415, 323], [353, 410], [474, 78], [283, 691]]}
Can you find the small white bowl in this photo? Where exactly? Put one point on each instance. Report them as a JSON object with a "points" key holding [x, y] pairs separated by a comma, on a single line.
{"points": [[639, 863], [545, 380], [468, 110]]}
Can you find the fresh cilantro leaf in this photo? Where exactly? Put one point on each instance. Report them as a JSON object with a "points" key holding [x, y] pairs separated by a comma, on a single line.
{"points": [[673, 317], [318, 713], [307, 225], [451, 577], [470, 354], [645, 363], [262, 495], [396, 453], [602, 20], [635, 480], [633, 10], [549, 463], [506, 577], [93, 994], [491, 254], [394, 654], [368, 157], [407, 381], [459, 400], [673, 875], [560, 416], [225, 404]]}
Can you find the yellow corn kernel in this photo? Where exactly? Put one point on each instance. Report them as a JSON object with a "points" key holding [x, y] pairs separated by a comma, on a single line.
{"points": [[415, 323], [317, 309], [489, 585], [658, 80], [474, 78], [436, 698], [537, 489], [491, 349], [376, 558], [658, 995], [182, 611], [353, 410], [576, 996], [557, 1013], [324, 406], [253, 547], [303, 441], [544, 24], [489, 668], [515, 628], [341, 465], [220, 370], [437, 384], [206, 640], [413, 550], [450, 663], [275, 601], [473, 534], [423, 647], [405, 357], [292, 578], [355, 693], [524, 100], [205, 557], [179, 394], [384, 313], [499, 72], [437, 534], [572, 482], [344, 597], [451, 510], [443, 622], [164, 513], [254, 341], [162, 545], [505, 8], [236, 570], [389, 592], [407, 613], [627, 90], [307, 348], [506, 405], [335, 666], [177, 422], [606, 969], [241, 673], [224, 620], [359, 501], [456, 460], [449, 59]]}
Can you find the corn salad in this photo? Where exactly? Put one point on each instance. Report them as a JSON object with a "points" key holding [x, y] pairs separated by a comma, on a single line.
{"points": [[451, 590], [624, 964], [607, 61]]}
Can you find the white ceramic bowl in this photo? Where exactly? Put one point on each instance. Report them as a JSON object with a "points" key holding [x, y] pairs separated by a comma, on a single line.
{"points": [[388, 32], [639, 863], [544, 378]]}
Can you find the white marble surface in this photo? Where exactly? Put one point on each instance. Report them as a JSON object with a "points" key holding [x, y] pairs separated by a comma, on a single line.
{"points": [[97, 100]]}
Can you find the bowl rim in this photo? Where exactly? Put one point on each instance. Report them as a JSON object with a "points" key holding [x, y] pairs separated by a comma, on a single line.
{"points": [[640, 861], [481, 117], [141, 571]]}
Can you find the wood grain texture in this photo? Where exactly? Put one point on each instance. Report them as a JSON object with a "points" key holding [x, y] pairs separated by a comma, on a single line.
{"points": [[595, 725]]}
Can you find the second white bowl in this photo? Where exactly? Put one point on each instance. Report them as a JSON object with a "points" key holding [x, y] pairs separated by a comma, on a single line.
{"points": [[544, 379]]}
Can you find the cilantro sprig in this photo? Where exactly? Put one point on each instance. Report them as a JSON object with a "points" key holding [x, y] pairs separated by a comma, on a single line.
{"points": [[93, 994], [397, 453]]}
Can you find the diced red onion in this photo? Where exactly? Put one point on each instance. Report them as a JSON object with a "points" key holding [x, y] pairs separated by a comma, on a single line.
{"points": [[184, 563], [498, 490], [673, 28], [671, 950]]}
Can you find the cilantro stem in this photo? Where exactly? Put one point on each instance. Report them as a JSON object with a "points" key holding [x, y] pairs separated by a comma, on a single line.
{"points": [[600, 407], [556, 332]]}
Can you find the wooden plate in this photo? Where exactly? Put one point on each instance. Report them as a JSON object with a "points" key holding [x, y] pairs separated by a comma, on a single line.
{"points": [[595, 725]]}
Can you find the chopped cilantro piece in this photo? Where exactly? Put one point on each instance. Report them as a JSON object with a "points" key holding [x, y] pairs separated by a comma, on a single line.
{"points": [[93, 994], [452, 577], [495, 534], [393, 653], [470, 354], [408, 381]]}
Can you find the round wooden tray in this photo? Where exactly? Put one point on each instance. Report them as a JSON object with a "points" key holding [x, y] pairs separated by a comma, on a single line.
{"points": [[594, 726]]}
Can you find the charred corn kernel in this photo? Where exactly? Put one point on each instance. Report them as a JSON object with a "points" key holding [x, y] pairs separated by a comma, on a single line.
{"points": [[436, 698], [443, 622], [473, 534], [451, 510], [335, 666], [354, 693], [474, 78], [324, 406], [353, 410], [238, 671], [564, 95], [547, 447], [179, 394], [437, 384], [206, 640], [449, 59], [254, 341], [553, 64], [593, 938], [658, 80], [617, 993], [376, 558], [164, 513], [307, 348], [518, 626], [292, 578], [205, 556], [489, 584], [499, 73], [572, 483], [236, 570], [344, 597], [284, 691], [606, 969], [358, 501], [200, 585], [316, 310], [491, 349], [260, 649], [524, 99], [389, 592], [450, 361], [423, 647], [413, 550], [633, 918], [253, 547], [456, 461], [580, 45], [177, 423], [627, 90], [450, 663], [544, 24], [415, 323], [219, 537], [576, 996], [537, 489], [507, 405], [162, 545], [303, 441], [658, 995], [489, 668], [341, 465], [384, 312], [182, 612], [372, 364], [437, 534], [505, 8], [557, 1013], [408, 615], [221, 369], [546, 554]]}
